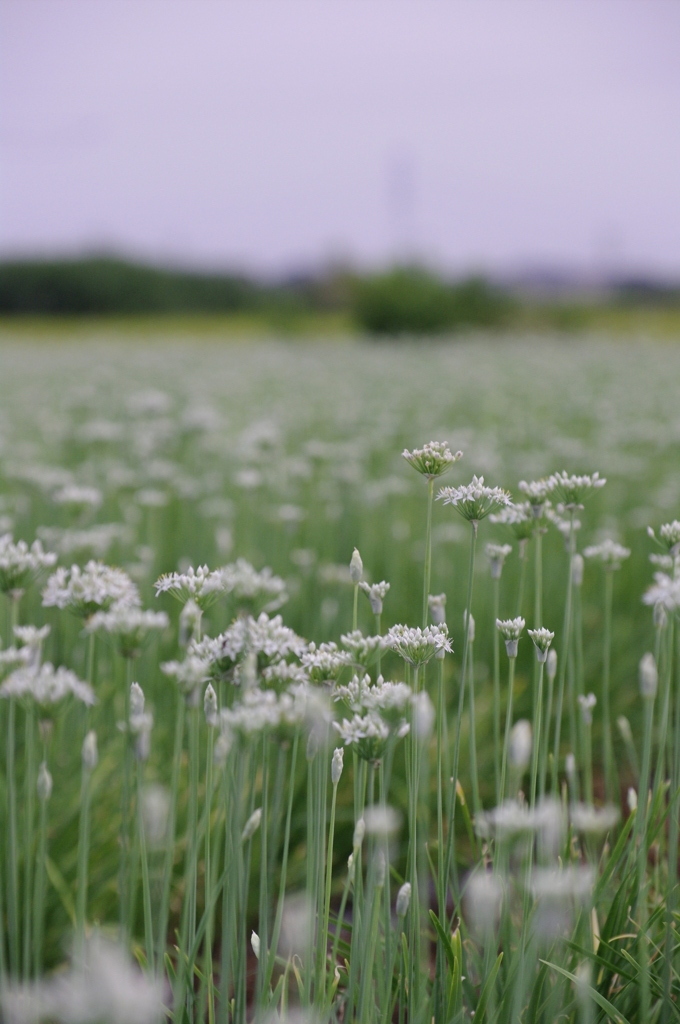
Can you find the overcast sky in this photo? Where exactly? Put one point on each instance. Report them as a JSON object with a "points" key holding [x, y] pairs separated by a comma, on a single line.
{"points": [[279, 134]]}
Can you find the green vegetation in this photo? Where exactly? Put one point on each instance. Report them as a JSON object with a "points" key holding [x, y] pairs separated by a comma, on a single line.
{"points": [[210, 815]]}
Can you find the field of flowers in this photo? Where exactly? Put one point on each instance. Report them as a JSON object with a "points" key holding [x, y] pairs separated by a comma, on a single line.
{"points": [[255, 624]]}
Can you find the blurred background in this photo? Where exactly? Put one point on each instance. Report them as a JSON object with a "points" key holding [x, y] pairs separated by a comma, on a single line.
{"points": [[323, 165]]}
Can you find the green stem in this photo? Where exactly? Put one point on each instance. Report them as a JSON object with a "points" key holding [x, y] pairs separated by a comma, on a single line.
{"points": [[83, 856], [322, 982], [476, 801], [39, 904], [496, 691], [538, 739], [508, 725], [522, 576], [607, 752], [29, 804], [170, 836], [146, 887], [12, 870], [125, 857], [428, 550], [355, 608], [565, 657], [209, 881], [284, 869]]}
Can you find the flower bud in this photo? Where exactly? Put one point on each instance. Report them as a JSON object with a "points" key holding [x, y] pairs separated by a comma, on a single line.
{"points": [[359, 833], [252, 825], [356, 568], [255, 944], [437, 605], [577, 570], [336, 765], [649, 676], [136, 700], [632, 800], [551, 663], [90, 755], [380, 869], [624, 729], [519, 748], [403, 899], [511, 647], [471, 627], [44, 782], [210, 705], [350, 867]]}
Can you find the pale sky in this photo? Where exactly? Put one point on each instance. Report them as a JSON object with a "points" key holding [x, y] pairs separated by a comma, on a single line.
{"points": [[275, 135]]}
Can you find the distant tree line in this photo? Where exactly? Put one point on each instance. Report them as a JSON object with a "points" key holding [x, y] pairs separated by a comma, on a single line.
{"points": [[403, 300]]}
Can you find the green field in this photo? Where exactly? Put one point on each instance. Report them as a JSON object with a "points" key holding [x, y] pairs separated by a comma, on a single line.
{"points": [[287, 452]]}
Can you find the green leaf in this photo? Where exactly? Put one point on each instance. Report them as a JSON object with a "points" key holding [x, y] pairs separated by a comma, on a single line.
{"points": [[485, 994], [444, 939], [57, 879], [603, 1003]]}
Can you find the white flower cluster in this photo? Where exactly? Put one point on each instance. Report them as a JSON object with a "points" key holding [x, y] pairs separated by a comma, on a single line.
{"points": [[609, 553], [376, 594], [363, 649], [497, 553], [46, 685], [368, 733], [538, 493], [86, 591], [416, 645], [664, 592], [21, 564], [669, 536], [572, 489], [517, 518], [542, 639], [261, 591], [128, 624], [474, 501], [383, 697], [97, 539], [325, 662], [511, 630], [189, 674], [201, 585], [79, 495], [433, 459], [262, 637]]}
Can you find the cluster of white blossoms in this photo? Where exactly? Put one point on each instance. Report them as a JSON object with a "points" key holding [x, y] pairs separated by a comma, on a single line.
{"points": [[517, 518], [436, 604], [474, 501], [511, 630], [85, 591], [78, 495], [376, 594], [368, 733], [189, 674], [417, 646], [542, 638], [364, 649], [497, 553], [261, 710], [21, 564], [664, 592], [587, 702], [669, 536], [611, 554], [97, 540], [538, 494], [46, 685], [202, 585], [386, 698], [433, 459], [325, 662], [259, 590], [572, 489], [262, 637], [129, 625]]}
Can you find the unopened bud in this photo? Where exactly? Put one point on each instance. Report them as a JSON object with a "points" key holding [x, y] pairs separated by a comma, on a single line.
{"points": [[471, 627], [403, 899], [437, 605], [519, 749], [359, 833], [380, 869], [649, 676], [577, 570], [632, 800], [255, 944], [136, 700], [90, 755], [44, 783], [252, 825], [336, 765], [356, 567], [210, 705], [624, 729], [350, 867], [551, 664], [570, 769]]}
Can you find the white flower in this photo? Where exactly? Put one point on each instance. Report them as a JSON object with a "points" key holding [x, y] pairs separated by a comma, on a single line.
{"points": [[517, 518], [474, 501], [482, 900], [551, 663], [102, 985], [437, 605], [423, 715], [255, 944], [46, 685], [511, 631], [497, 553], [542, 639], [572, 489], [201, 585], [189, 674], [433, 459], [368, 733], [665, 591], [79, 495], [44, 782], [417, 646], [595, 820], [325, 662], [19, 564], [376, 593], [363, 649], [577, 565], [568, 883], [669, 536], [538, 493], [128, 624], [382, 820], [90, 754], [259, 591], [210, 705], [609, 553], [86, 591]]}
